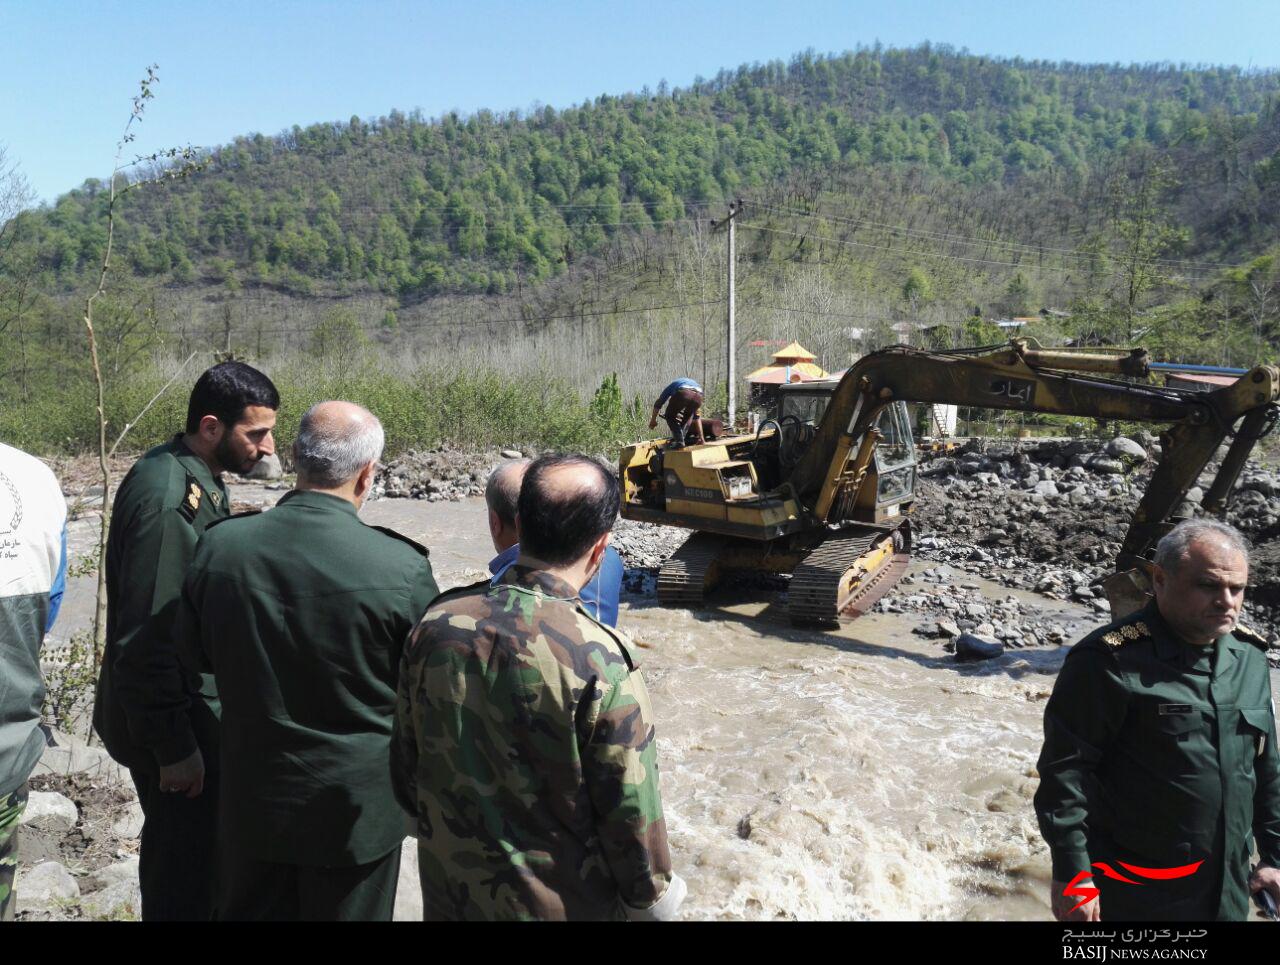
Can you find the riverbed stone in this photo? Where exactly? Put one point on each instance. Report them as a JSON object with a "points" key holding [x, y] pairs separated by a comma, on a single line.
{"points": [[47, 887], [1122, 447], [267, 468], [50, 811], [119, 900]]}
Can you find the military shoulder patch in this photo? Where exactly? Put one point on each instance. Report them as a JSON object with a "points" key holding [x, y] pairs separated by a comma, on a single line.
{"points": [[1242, 632], [477, 587], [191, 496], [225, 519], [414, 545], [1121, 635]]}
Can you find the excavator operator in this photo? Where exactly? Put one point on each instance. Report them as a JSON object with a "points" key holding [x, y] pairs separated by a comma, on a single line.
{"points": [[683, 398]]}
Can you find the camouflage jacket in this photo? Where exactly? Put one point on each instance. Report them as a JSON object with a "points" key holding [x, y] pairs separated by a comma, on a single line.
{"points": [[524, 744]]}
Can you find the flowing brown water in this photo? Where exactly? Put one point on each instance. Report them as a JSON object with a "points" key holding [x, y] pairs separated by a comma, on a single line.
{"points": [[855, 774]]}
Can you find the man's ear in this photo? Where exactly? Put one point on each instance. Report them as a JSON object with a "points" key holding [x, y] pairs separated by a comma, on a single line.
{"points": [[211, 428], [597, 551], [364, 481], [1159, 578]]}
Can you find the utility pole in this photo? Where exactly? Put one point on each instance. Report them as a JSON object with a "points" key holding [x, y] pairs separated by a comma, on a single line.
{"points": [[735, 209]]}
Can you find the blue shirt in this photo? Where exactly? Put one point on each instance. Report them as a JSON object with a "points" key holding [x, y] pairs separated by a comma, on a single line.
{"points": [[599, 597], [59, 585], [676, 386]]}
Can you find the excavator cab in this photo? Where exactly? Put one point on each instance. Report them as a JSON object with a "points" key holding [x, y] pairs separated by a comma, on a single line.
{"points": [[844, 541], [887, 483]]}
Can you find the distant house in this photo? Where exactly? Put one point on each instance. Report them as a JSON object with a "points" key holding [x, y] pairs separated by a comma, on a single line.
{"points": [[1198, 378], [1198, 381], [794, 363]]}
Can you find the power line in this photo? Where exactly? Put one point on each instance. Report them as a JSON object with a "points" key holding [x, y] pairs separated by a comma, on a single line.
{"points": [[827, 314], [973, 240], [917, 252], [427, 323]]}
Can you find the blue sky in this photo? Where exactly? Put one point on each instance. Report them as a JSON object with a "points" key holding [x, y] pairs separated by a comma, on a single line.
{"points": [[68, 68]]}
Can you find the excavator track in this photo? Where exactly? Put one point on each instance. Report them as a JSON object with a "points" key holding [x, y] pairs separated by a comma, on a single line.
{"points": [[690, 571], [823, 588]]}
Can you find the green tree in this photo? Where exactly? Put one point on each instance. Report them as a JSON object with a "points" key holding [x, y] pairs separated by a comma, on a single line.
{"points": [[1145, 233], [1018, 295], [917, 290], [338, 336]]}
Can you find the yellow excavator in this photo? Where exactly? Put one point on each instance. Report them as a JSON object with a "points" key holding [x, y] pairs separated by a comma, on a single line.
{"points": [[824, 488]]}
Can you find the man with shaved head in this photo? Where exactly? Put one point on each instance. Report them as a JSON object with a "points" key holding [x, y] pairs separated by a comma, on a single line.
{"points": [[1159, 771], [300, 613], [524, 739], [599, 595]]}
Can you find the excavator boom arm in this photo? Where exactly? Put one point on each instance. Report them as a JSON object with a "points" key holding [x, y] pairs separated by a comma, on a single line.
{"points": [[1029, 380]]}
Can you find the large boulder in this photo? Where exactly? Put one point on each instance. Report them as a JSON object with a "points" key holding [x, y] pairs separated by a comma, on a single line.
{"points": [[50, 811], [72, 755], [267, 468], [113, 874], [1122, 448], [46, 887], [120, 900], [113, 892], [1106, 465], [972, 647]]}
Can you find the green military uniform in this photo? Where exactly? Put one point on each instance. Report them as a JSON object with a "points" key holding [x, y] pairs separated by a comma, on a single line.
{"points": [[147, 711], [301, 613], [1159, 754], [524, 744], [11, 808]]}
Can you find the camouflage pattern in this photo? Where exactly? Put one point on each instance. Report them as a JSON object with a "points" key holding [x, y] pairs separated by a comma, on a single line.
{"points": [[11, 808], [524, 745]]}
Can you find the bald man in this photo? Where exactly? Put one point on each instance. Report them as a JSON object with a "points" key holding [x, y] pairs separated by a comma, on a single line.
{"points": [[524, 740], [599, 595], [300, 614], [1159, 771]]}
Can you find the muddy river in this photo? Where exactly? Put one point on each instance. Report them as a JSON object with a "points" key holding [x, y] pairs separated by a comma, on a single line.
{"points": [[853, 774]]}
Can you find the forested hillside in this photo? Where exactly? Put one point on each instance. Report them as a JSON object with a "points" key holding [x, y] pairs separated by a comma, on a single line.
{"points": [[889, 195], [491, 202]]}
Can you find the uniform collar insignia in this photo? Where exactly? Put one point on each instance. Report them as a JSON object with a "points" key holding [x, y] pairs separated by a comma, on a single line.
{"points": [[1121, 635]]}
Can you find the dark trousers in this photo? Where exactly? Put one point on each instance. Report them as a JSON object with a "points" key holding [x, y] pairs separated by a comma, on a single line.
{"points": [[269, 891], [177, 854], [680, 411]]}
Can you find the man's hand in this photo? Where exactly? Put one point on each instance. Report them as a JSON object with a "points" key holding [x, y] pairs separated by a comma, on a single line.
{"points": [[1264, 877], [653, 421], [186, 775], [1062, 904]]}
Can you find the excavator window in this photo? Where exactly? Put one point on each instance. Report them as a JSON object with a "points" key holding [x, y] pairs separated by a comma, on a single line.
{"points": [[895, 448], [895, 455], [805, 406]]}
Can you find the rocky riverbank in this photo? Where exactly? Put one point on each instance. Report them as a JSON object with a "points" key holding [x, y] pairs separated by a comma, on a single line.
{"points": [[1044, 516]]}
